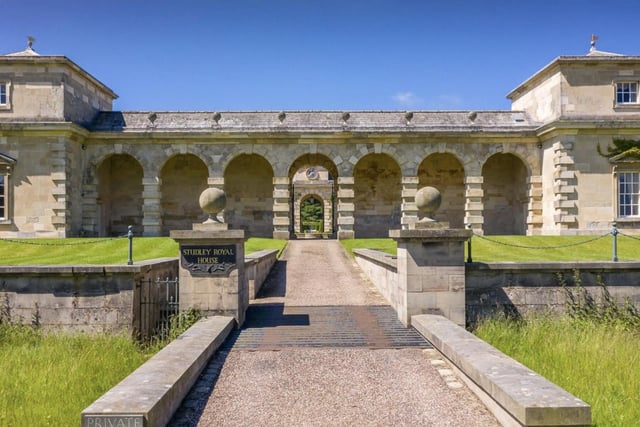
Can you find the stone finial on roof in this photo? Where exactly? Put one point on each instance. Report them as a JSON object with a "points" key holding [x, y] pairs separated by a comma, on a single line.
{"points": [[30, 40]]}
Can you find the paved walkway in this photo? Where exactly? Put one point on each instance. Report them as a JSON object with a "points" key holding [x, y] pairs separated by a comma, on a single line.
{"points": [[321, 347]]}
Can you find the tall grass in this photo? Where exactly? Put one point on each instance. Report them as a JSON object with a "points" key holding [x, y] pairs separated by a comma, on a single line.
{"points": [[599, 362], [48, 379]]}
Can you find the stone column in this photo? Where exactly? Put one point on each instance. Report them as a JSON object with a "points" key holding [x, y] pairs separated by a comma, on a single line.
{"points": [[346, 207], [534, 207], [281, 208], [430, 265], [408, 207], [473, 206], [151, 215]]}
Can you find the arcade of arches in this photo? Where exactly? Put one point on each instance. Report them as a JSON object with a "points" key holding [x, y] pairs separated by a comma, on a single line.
{"points": [[374, 194]]}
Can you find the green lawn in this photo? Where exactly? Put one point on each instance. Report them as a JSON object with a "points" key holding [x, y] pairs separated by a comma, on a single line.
{"points": [[597, 362], [529, 248], [101, 251]]}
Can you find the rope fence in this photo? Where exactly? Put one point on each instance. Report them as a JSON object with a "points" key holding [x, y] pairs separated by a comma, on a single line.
{"points": [[35, 242], [613, 233]]}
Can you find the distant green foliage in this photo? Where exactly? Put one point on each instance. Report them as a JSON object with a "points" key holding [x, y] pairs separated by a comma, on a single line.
{"points": [[311, 215]]}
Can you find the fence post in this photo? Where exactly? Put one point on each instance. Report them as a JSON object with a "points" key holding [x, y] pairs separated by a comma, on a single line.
{"points": [[469, 258], [614, 233], [130, 236]]}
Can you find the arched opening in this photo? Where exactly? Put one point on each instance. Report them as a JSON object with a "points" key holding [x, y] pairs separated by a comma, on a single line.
{"points": [[311, 215], [119, 195], [505, 195], [445, 172], [313, 175], [183, 178], [378, 191], [248, 184]]}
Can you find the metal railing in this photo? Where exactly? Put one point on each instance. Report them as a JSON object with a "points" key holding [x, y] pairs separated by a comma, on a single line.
{"points": [[158, 303]]}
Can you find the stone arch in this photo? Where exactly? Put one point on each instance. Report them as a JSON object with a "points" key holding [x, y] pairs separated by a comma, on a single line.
{"points": [[119, 195], [314, 159], [248, 184], [505, 194], [323, 187], [445, 172], [182, 178], [377, 191]]}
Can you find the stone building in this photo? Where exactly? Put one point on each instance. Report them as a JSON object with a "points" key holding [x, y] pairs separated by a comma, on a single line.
{"points": [[71, 166]]}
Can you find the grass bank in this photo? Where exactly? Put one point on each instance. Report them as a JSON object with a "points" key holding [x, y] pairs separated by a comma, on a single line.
{"points": [[597, 362], [102, 251], [528, 248], [48, 379]]}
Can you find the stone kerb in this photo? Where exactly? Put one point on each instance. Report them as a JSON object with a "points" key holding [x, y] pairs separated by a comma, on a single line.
{"points": [[151, 394], [523, 397]]}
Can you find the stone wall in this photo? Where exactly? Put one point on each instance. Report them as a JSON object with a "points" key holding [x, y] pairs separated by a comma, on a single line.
{"points": [[516, 288], [79, 298], [257, 266]]}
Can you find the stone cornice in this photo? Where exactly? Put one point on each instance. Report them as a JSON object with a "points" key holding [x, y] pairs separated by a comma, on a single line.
{"points": [[49, 60]]}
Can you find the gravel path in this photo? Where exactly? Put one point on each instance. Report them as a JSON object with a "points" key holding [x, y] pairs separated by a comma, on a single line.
{"points": [[328, 386]]}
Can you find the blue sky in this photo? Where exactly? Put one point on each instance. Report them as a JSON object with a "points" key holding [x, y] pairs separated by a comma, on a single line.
{"points": [[316, 55]]}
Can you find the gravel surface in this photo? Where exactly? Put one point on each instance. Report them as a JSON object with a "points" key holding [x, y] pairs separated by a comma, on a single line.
{"points": [[327, 386], [338, 387]]}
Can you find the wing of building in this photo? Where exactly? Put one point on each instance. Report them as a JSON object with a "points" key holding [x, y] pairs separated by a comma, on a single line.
{"points": [[564, 160]]}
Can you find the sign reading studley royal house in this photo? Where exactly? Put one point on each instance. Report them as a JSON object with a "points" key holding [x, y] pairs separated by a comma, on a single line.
{"points": [[206, 260]]}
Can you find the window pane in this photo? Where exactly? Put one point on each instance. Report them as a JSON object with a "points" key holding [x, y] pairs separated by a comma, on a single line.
{"points": [[628, 193], [3, 93]]}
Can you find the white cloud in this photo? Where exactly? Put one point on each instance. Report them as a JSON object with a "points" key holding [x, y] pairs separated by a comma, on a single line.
{"points": [[407, 99]]}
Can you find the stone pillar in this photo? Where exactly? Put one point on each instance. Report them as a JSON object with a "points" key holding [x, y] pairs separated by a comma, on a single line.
{"points": [[212, 273], [151, 216], [346, 207], [430, 265], [534, 207], [473, 206], [281, 208], [408, 207]]}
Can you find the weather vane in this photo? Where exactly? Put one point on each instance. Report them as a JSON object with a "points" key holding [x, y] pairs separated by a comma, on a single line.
{"points": [[30, 41], [593, 41]]}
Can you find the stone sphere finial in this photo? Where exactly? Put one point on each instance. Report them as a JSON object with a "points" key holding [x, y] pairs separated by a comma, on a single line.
{"points": [[428, 200], [212, 201]]}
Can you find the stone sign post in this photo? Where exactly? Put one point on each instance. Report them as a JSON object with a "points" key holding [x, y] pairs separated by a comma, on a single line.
{"points": [[431, 270], [212, 275]]}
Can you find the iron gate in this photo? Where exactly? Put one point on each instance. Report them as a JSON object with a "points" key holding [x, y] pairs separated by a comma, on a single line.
{"points": [[158, 303]]}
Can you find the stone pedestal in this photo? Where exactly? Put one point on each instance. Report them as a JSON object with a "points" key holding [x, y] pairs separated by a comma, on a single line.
{"points": [[212, 274], [431, 271]]}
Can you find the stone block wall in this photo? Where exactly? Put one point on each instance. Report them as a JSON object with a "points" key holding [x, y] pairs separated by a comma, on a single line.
{"points": [[77, 298], [516, 289]]}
